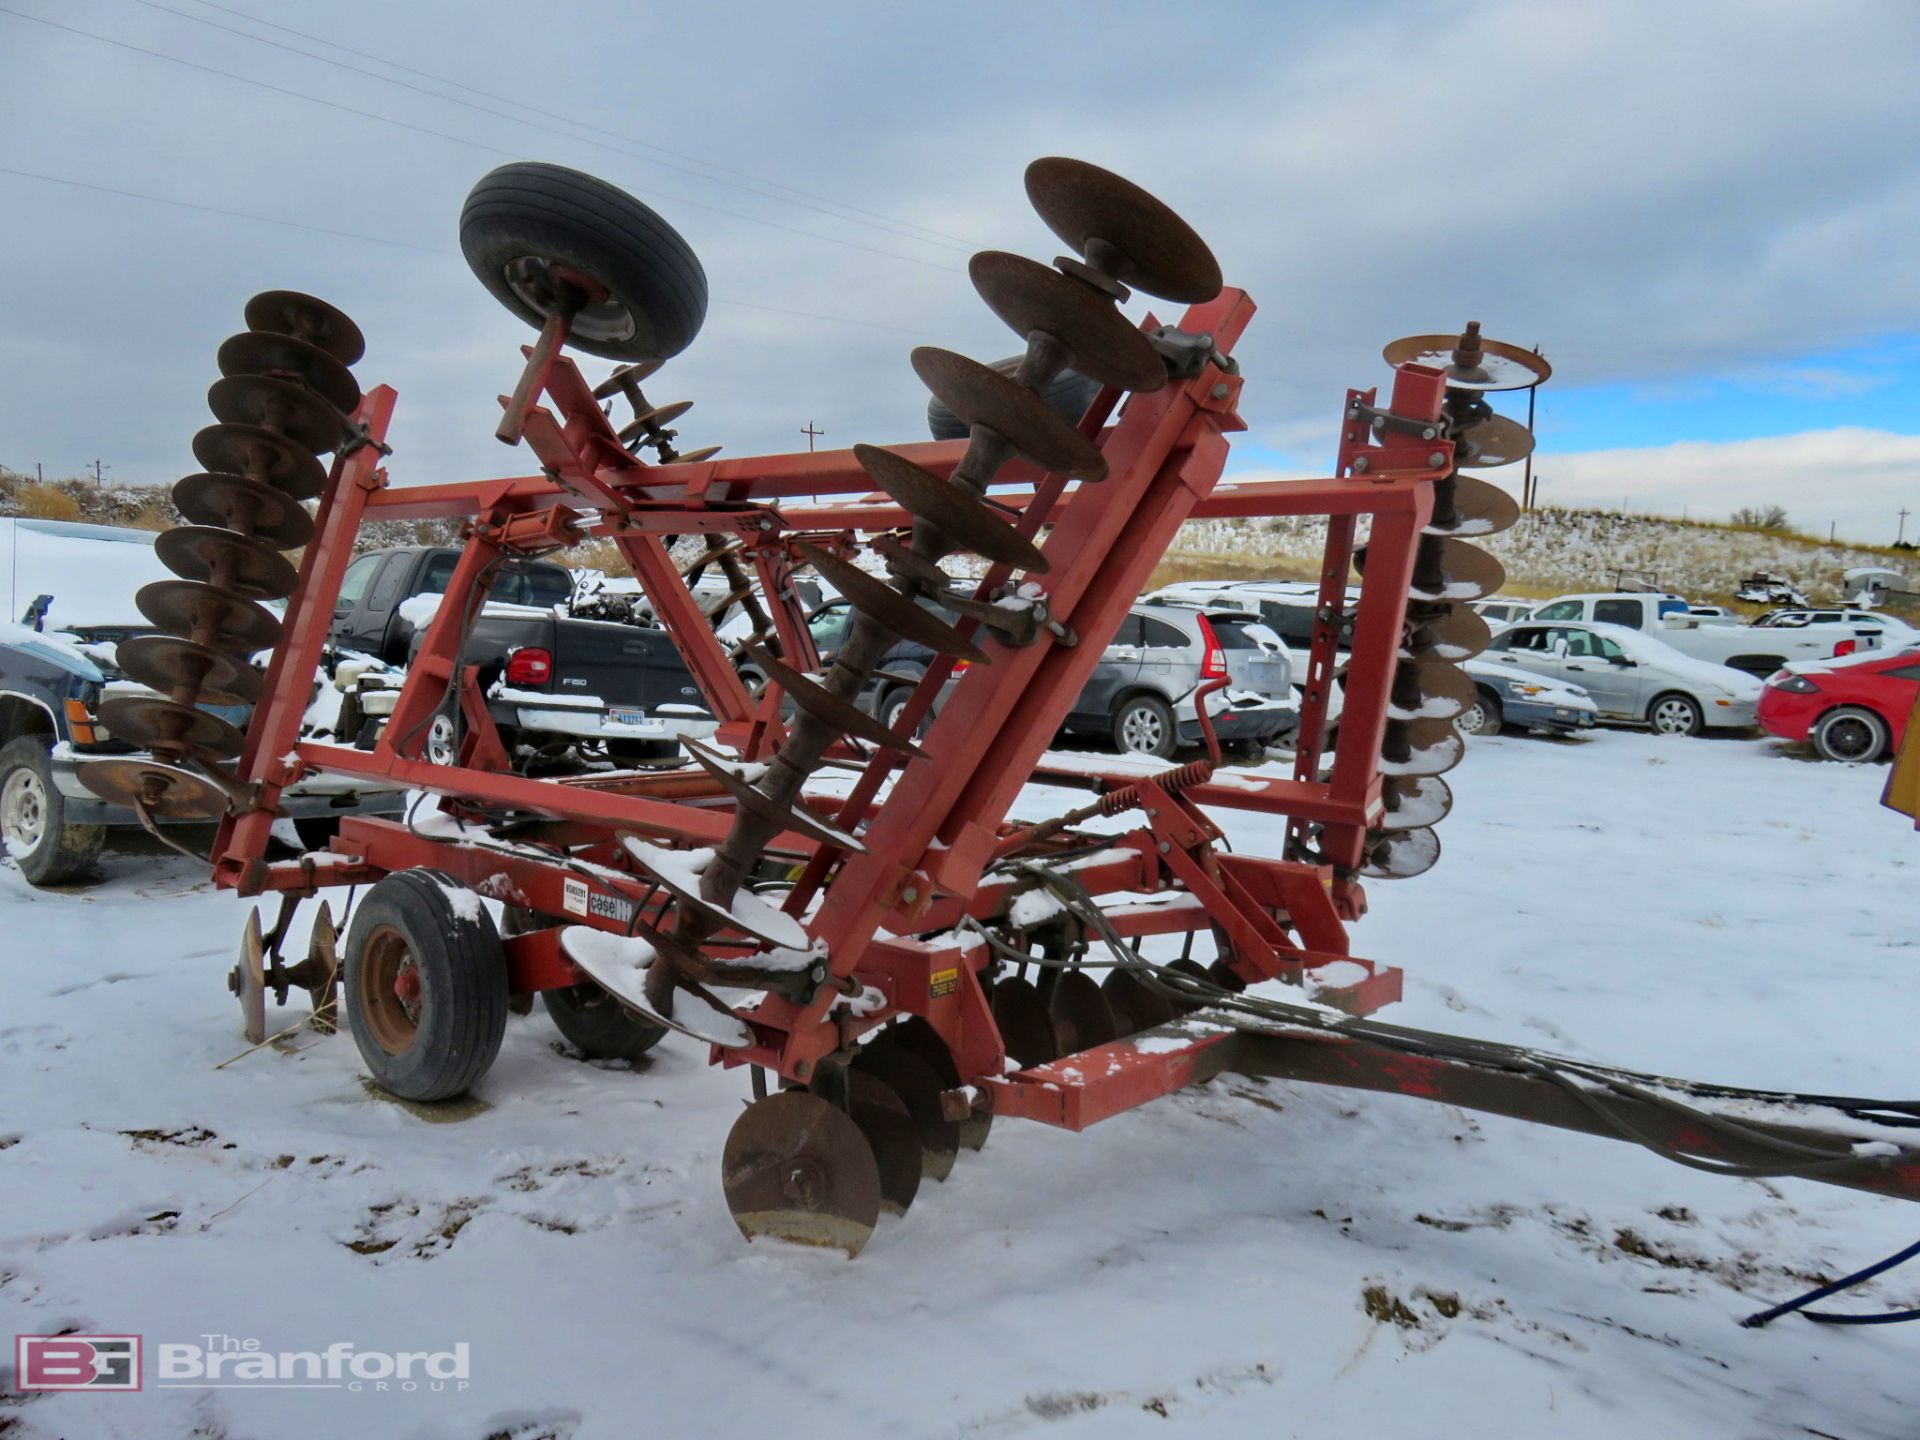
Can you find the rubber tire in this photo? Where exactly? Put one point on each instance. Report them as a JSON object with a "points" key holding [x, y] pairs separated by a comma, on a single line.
{"points": [[1069, 393], [66, 852], [316, 831], [1153, 704], [1822, 727], [596, 1024], [564, 217], [891, 701], [1490, 721], [463, 1009], [1694, 727]]}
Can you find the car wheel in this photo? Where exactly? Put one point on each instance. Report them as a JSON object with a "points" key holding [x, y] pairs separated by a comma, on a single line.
{"points": [[893, 705], [1483, 717], [33, 819], [1675, 714], [1144, 726], [1850, 735]]}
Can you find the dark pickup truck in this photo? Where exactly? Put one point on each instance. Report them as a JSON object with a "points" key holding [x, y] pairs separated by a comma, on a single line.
{"points": [[553, 681]]}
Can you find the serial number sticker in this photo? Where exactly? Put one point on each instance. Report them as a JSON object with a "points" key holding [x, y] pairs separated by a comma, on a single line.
{"points": [[573, 896], [943, 982], [626, 715]]}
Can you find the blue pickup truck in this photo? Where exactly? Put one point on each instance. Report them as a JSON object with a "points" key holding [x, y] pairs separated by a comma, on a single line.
{"points": [[74, 586]]}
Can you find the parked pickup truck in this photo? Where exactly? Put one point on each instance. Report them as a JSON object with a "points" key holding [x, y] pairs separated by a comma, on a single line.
{"points": [[1759, 650], [552, 680]]}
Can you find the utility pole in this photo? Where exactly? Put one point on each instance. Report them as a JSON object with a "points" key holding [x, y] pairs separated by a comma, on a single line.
{"points": [[97, 468], [1900, 539], [812, 435], [1833, 527]]}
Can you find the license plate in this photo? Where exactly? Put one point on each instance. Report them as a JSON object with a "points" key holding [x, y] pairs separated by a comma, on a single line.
{"points": [[626, 715]]}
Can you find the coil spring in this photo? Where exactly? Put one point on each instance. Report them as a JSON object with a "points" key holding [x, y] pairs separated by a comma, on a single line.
{"points": [[1181, 777]]}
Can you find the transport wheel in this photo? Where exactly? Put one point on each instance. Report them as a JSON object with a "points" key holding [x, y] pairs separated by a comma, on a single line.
{"points": [[426, 985], [1675, 714], [528, 228], [598, 1025], [1482, 717], [316, 832], [33, 819], [1144, 726], [1851, 735], [1069, 393]]}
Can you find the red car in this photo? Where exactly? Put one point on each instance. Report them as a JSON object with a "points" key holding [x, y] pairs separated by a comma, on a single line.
{"points": [[1854, 708]]}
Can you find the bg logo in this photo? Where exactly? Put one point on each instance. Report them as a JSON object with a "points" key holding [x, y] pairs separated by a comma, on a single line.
{"points": [[77, 1362]]}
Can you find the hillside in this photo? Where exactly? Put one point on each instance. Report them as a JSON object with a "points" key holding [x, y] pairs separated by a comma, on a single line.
{"points": [[1553, 551]]}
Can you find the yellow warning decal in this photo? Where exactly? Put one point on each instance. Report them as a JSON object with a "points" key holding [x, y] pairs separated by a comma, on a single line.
{"points": [[943, 982]]}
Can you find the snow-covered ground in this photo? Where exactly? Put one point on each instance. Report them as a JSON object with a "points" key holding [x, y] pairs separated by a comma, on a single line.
{"points": [[1246, 1259]]}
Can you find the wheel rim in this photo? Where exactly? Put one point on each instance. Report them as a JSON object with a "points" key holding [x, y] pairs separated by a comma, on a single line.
{"points": [[894, 712], [1850, 737], [1474, 720], [440, 749], [531, 278], [388, 991], [23, 812], [1673, 717], [1142, 730]]}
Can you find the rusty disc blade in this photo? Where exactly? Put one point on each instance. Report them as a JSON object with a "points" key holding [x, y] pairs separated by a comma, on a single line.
{"points": [[981, 395], [150, 720], [726, 773], [748, 913], [918, 1086], [1464, 505], [1430, 690], [248, 506], [1136, 1005], [1413, 801], [219, 618], [248, 980], [1081, 1016], [874, 597], [260, 400], [616, 383], [323, 962], [1447, 570], [1500, 366], [895, 1144], [796, 1168], [167, 792], [1025, 1027], [258, 352], [916, 1034], [1421, 747], [695, 457], [264, 455], [1493, 441], [821, 703], [1400, 854], [661, 414], [1122, 230], [1445, 632], [228, 559], [288, 312], [167, 662], [1103, 344], [884, 1119], [952, 509], [1195, 970]]}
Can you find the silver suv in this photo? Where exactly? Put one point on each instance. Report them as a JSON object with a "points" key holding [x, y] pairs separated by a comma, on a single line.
{"points": [[1141, 693]]}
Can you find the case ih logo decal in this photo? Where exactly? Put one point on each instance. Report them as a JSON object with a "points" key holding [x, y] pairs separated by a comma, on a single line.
{"points": [[76, 1362]]}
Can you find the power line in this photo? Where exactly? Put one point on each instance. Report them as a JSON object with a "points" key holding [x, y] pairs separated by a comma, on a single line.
{"points": [[402, 244], [583, 124], [456, 139], [887, 228]]}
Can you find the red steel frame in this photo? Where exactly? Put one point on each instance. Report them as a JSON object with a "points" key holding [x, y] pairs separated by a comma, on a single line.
{"points": [[929, 841]]}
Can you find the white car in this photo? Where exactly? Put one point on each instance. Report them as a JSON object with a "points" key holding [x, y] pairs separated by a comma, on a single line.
{"points": [[1632, 677], [1500, 611]]}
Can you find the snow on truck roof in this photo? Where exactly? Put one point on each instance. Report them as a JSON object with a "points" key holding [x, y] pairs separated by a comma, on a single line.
{"points": [[91, 571]]}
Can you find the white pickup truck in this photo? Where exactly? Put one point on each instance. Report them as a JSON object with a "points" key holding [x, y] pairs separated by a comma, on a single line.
{"points": [[1758, 649]]}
